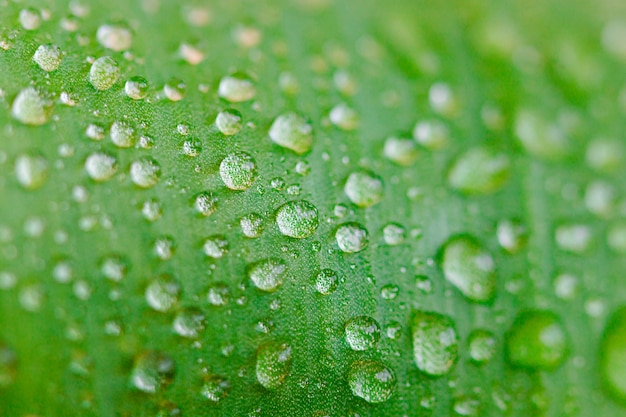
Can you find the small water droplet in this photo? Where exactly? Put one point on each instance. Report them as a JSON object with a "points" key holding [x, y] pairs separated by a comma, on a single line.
{"points": [[431, 134], [31, 170], [237, 87], [297, 219], [215, 246], [613, 355], [104, 73], [292, 131], [479, 171], [362, 333], [229, 122], [400, 150], [48, 57], [175, 89], [273, 365], [214, 388], [364, 188], [574, 238], [205, 203], [145, 172], [238, 171], [189, 323], [152, 371], [344, 117], [372, 381], [482, 346], [394, 234], [326, 281], [351, 237], [101, 166], [251, 225], [136, 87], [267, 274], [511, 235], [115, 36]]}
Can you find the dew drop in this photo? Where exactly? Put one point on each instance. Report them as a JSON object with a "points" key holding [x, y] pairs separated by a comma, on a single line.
{"points": [[273, 365], [114, 267], [116, 37], [218, 295], [482, 346], [251, 225], [326, 281], [214, 388], [575, 238], [344, 117], [189, 323], [31, 107], [536, 340], [292, 131], [101, 166], [394, 234], [613, 355], [238, 171], [435, 343], [267, 274], [512, 235], [122, 134], [431, 134], [162, 294], [31, 170], [468, 266], [152, 210], [539, 137], [205, 203], [145, 172], [297, 219], [236, 88], [152, 371], [136, 87], [229, 121], [104, 73], [30, 18], [600, 198], [215, 246], [175, 89], [616, 237], [371, 380], [364, 188], [479, 171], [48, 57], [605, 155], [362, 333], [351, 237], [400, 151]]}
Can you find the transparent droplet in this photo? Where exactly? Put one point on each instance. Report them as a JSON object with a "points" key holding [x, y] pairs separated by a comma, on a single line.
{"points": [[205, 203], [574, 238], [482, 346], [215, 246], [145, 172], [435, 343], [218, 294], [229, 121], [362, 333], [101, 166], [31, 170], [468, 266], [303, 168], [175, 89], [267, 274], [364, 188], [297, 219], [351, 237], [63, 271], [273, 364], [192, 148], [236, 88], [30, 18], [612, 361], [48, 57], [238, 171], [511, 235], [479, 171], [372, 381], [252, 225], [190, 54], [292, 131], [442, 99], [389, 292], [431, 134], [104, 73], [94, 132], [214, 388], [136, 87], [600, 198], [189, 323], [393, 330], [114, 267], [164, 248], [122, 134], [394, 234], [326, 281], [565, 286], [539, 137], [152, 210], [605, 155], [536, 340], [467, 405], [344, 117], [162, 294], [31, 107], [400, 150], [115, 36], [152, 371]]}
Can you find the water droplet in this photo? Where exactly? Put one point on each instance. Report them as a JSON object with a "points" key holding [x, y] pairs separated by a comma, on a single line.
{"points": [[229, 122], [267, 274], [394, 234], [372, 381], [612, 362], [94, 132], [351, 237], [122, 134], [152, 210], [479, 171], [326, 281], [273, 364], [292, 131], [431, 134], [31, 107], [115, 36], [236, 88], [303, 168], [31, 170], [565, 286], [538, 137], [218, 295], [30, 18], [205, 203], [468, 266], [101, 166], [238, 171], [536, 340], [467, 405], [362, 332], [600, 198], [435, 343], [511, 235], [215, 388], [48, 57], [574, 238], [145, 172], [297, 219], [189, 323], [364, 188], [482, 346], [104, 73], [114, 267], [251, 225], [215, 246], [605, 155], [164, 248], [190, 54], [389, 292], [616, 237], [136, 87], [175, 89], [152, 371], [401, 151], [344, 117], [162, 294], [442, 99]]}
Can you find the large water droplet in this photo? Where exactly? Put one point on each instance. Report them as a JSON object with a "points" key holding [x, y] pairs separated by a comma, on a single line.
{"points": [[136, 87], [116, 37], [364, 188], [145, 172], [101, 166], [267, 274], [151, 371], [297, 219], [536, 340], [31, 170], [48, 57], [236, 88], [104, 73], [479, 171], [482, 346], [292, 131], [362, 332], [229, 122], [468, 266], [539, 137], [435, 343], [372, 380], [31, 107], [351, 237], [238, 171], [613, 355], [162, 294], [273, 364]]}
